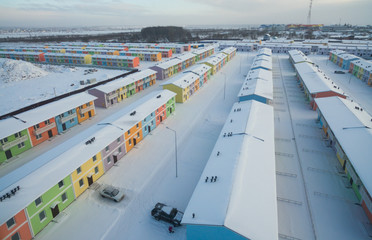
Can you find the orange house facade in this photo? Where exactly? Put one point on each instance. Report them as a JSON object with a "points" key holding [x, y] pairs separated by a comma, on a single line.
{"points": [[43, 131], [133, 136], [16, 228], [85, 111]]}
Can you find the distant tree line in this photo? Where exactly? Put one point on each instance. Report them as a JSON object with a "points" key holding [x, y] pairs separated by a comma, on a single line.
{"points": [[165, 34]]}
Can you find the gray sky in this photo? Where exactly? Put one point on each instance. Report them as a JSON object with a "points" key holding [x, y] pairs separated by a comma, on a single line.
{"points": [[71, 13]]}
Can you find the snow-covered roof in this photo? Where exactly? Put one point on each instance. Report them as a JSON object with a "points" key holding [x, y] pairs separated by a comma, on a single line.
{"points": [[170, 63], [203, 50], [298, 57], [215, 59], [347, 57], [353, 130], [116, 57], [263, 57], [199, 69], [243, 163], [265, 51], [45, 171], [260, 73], [367, 65], [229, 50], [149, 49], [37, 115], [183, 81], [315, 80], [263, 64], [186, 56], [337, 52], [121, 82], [257, 86]]}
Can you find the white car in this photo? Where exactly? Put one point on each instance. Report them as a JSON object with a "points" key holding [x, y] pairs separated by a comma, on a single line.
{"points": [[112, 193]]}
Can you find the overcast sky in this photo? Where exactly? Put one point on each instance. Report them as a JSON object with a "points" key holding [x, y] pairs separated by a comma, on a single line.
{"points": [[71, 13]]}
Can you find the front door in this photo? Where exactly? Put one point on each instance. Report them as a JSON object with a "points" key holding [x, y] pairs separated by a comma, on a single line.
{"points": [[90, 114], [90, 180], [115, 159], [64, 127], [134, 141], [50, 133], [149, 128], [112, 101], [55, 211], [8, 154], [170, 110], [161, 118]]}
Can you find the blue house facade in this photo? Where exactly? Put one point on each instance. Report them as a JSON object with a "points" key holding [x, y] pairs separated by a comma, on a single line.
{"points": [[148, 124], [66, 120]]}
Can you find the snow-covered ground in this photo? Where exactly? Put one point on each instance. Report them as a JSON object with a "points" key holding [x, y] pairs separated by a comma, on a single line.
{"points": [[23, 83]]}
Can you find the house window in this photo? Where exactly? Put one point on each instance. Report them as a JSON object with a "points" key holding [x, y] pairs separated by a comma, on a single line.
{"points": [[10, 223], [107, 148], [119, 149], [61, 184], [47, 122], [21, 145], [36, 126], [81, 182], [42, 216], [38, 136], [137, 125], [72, 120], [16, 236], [82, 115], [128, 131], [118, 140], [130, 141], [78, 170], [64, 197], [96, 170], [94, 158], [70, 112], [18, 134], [88, 104], [138, 134], [38, 201]]}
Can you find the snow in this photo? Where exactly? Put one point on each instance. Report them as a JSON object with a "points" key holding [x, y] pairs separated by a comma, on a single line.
{"points": [[41, 82], [199, 69], [264, 51], [169, 63], [183, 80], [37, 115], [257, 86], [235, 200], [298, 57], [354, 136]]}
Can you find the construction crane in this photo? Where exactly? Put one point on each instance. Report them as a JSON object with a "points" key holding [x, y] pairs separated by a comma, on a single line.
{"points": [[309, 14]]}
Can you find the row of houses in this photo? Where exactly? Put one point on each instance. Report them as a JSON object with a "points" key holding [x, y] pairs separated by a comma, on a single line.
{"points": [[116, 91], [28, 129], [258, 84], [190, 81], [228, 202], [357, 66], [34, 195], [313, 81], [285, 48], [175, 65], [348, 130]]}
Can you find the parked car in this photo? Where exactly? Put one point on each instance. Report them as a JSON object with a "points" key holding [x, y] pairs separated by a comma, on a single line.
{"points": [[167, 214], [339, 72], [112, 193]]}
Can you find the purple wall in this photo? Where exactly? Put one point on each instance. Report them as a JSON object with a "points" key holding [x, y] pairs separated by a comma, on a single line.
{"points": [[112, 152], [100, 101], [159, 72]]}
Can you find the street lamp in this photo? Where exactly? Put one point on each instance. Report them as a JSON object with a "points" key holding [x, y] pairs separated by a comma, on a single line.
{"points": [[224, 86], [175, 145]]}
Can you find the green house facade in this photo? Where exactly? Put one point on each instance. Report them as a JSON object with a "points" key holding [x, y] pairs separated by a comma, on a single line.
{"points": [[46, 207], [171, 106], [14, 145]]}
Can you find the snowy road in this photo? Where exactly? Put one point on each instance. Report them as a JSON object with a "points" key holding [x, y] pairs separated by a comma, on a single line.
{"points": [[147, 173]]}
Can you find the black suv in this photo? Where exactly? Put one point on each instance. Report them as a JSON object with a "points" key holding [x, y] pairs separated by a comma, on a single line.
{"points": [[167, 214]]}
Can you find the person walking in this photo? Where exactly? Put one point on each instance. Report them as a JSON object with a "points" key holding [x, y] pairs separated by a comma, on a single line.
{"points": [[170, 229]]}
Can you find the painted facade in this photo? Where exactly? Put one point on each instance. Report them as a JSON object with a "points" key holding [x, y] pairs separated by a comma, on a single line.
{"points": [[25, 56], [66, 120], [362, 69], [67, 58], [43, 131], [14, 145], [142, 55], [115, 61], [184, 86], [230, 52], [113, 152], [85, 111], [165, 53], [16, 227]]}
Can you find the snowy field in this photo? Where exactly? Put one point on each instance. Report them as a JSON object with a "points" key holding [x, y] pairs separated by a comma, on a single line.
{"points": [[30, 83], [313, 199]]}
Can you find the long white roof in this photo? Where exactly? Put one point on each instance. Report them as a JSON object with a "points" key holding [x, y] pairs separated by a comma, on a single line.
{"points": [[298, 57], [260, 73], [203, 50], [199, 69], [243, 164], [186, 56], [337, 52], [265, 51], [257, 86], [353, 130], [183, 81], [32, 117], [347, 57], [263, 57], [45, 171], [262, 63], [215, 59], [229, 50], [170, 63], [315, 80], [121, 82], [366, 65]]}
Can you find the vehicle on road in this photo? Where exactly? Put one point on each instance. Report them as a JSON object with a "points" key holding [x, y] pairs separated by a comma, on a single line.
{"points": [[167, 214], [112, 193], [339, 72]]}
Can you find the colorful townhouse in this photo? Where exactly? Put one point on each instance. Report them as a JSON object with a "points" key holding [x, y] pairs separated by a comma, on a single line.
{"points": [[222, 206], [16, 227], [362, 69], [67, 58], [176, 48], [94, 51], [167, 69], [216, 62], [350, 138], [285, 48], [187, 60], [28, 129], [116, 91], [29, 201], [115, 61], [143, 55], [258, 85], [165, 53], [230, 52], [296, 56], [184, 86], [202, 53], [346, 59], [25, 56], [315, 83], [203, 71], [335, 54]]}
